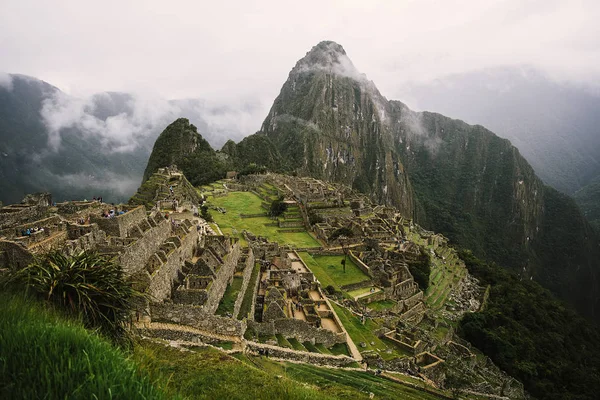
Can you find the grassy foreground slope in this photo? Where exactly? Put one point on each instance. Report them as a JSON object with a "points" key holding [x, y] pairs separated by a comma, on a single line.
{"points": [[45, 356]]}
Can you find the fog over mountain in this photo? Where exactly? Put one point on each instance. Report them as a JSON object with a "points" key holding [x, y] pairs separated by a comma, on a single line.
{"points": [[556, 125], [78, 147]]}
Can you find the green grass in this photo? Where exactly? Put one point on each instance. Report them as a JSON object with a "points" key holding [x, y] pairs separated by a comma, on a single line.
{"points": [[381, 305], [210, 374], [225, 345], [310, 347], [42, 355], [329, 270], [362, 291], [364, 333], [283, 342], [247, 302], [237, 203], [230, 296], [339, 382], [339, 349], [296, 344], [322, 349]]}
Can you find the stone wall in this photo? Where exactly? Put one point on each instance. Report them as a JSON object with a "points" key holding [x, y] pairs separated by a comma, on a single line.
{"points": [[300, 330], [69, 208], [15, 231], [301, 356], [19, 214], [363, 267], [54, 242], [13, 255], [254, 294], [161, 285], [121, 224], [222, 278], [196, 317], [358, 285], [135, 255], [92, 240], [249, 266]]}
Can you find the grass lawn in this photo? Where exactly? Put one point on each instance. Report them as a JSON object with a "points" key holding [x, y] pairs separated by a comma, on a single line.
{"points": [[339, 383], [247, 302], [364, 333], [237, 203], [363, 292], [329, 271], [230, 296], [210, 374], [381, 305]]}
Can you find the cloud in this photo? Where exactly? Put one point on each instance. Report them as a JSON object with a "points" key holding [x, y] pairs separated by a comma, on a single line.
{"points": [[6, 81], [122, 122], [120, 131]]}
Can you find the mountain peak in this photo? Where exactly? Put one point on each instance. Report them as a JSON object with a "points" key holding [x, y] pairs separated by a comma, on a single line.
{"points": [[330, 57]]}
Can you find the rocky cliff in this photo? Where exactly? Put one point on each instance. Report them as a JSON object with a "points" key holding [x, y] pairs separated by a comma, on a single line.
{"points": [[329, 121]]}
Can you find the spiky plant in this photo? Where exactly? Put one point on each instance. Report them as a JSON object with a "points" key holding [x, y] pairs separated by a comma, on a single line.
{"points": [[87, 284]]}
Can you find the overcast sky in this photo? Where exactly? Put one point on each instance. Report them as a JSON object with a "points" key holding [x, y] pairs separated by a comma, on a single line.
{"points": [[244, 49]]}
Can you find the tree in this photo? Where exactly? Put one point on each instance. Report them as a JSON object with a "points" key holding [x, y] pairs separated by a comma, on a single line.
{"points": [[342, 234], [278, 207]]}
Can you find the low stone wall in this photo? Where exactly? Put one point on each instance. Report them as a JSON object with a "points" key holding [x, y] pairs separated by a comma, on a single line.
{"points": [[301, 356], [245, 282], [363, 267], [291, 224], [328, 253], [177, 334], [196, 317], [373, 297], [358, 285], [134, 257], [300, 330]]}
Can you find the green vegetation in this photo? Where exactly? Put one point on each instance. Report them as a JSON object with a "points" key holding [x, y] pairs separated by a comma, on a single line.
{"points": [[296, 345], [210, 374], [236, 203], [340, 383], [42, 355], [180, 144], [381, 305], [86, 285], [363, 292], [533, 336], [588, 199], [329, 270], [365, 333], [247, 302], [230, 296], [278, 207]]}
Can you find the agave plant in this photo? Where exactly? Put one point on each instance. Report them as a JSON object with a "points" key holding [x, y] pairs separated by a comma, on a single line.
{"points": [[87, 284]]}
